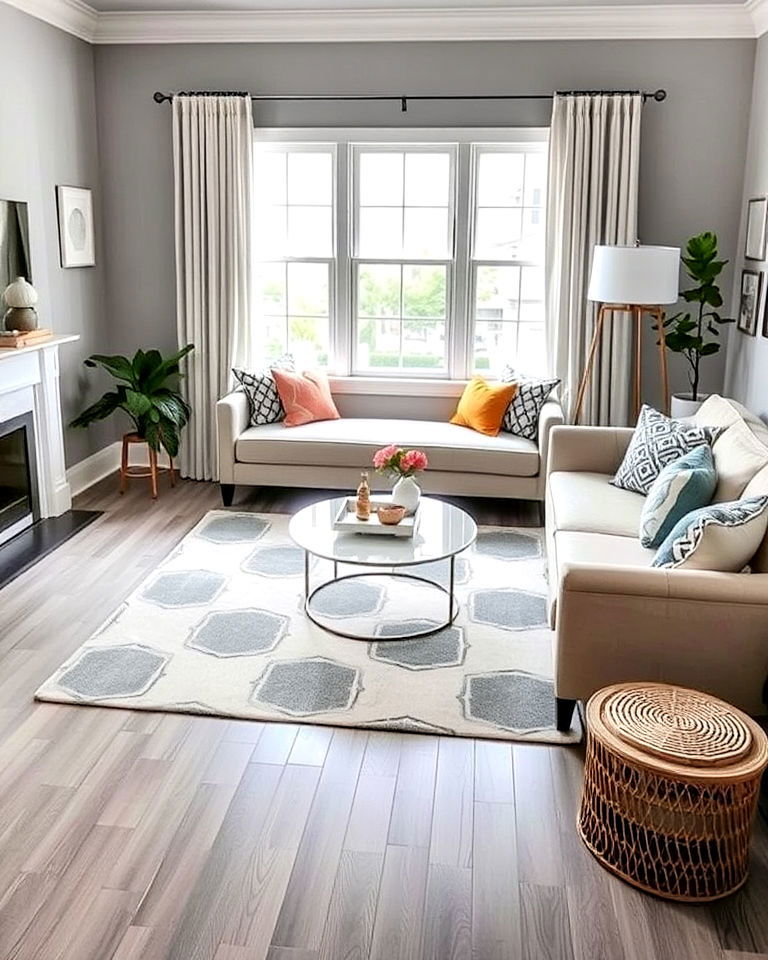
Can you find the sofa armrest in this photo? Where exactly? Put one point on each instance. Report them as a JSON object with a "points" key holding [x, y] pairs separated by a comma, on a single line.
{"points": [[695, 628], [231, 420], [587, 449], [551, 416]]}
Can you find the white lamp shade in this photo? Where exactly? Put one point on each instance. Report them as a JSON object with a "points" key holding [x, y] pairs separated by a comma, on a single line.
{"points": [[637, 275]]}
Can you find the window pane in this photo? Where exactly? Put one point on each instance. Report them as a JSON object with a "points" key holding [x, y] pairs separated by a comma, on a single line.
{"points": [[495, 345], [272, 339], [498, 232], [381, 179], [496, 293], [427, 179], [426, 233], [308, 340], [535, 179], [531, 358], [378, 344], [423, 345], [310, 178], [269, 232], [308, 289], [424, 290], [381, 232], [378, 290], [500, 179], [269, 282], [269, 177], [531, 245], [310, 232]]}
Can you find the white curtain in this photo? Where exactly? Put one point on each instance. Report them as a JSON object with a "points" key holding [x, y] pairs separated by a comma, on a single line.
{"points": [[212, 152], [594, 159]]}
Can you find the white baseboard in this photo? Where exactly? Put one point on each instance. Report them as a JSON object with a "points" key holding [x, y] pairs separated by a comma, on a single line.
{"points": [[84, 474]]}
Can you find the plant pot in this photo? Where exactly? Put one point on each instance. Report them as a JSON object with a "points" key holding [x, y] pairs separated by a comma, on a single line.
{"points": [[683, 405], [406, 493]]}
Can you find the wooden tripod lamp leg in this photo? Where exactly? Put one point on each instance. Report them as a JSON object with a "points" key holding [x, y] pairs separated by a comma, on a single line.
{"points": [[659, 317], [586, 376], [637, 316]]}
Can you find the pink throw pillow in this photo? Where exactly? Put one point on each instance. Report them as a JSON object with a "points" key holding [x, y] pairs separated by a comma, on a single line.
{"points": [[306, 397]]}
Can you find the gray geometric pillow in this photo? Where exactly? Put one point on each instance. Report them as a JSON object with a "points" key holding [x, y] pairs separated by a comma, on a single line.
{"points": [[260, 388], [657, 441], [522, 416]]}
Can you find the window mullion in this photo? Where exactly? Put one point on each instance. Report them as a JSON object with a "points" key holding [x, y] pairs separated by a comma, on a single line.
{"points": [[461, 324], [342, 320]]}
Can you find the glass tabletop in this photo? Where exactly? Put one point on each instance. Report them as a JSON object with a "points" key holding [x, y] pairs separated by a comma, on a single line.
{"points": [[442, 530]]}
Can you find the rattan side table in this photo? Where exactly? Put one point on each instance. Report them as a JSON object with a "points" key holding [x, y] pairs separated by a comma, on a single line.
{"points": [[670, 789]]}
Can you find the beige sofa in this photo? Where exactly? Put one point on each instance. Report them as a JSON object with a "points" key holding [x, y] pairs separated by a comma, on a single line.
{"points": [[330, 454], [616, 618]]}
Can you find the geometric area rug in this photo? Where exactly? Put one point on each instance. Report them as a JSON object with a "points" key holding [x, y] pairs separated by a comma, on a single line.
{"points": [[219, 628]]}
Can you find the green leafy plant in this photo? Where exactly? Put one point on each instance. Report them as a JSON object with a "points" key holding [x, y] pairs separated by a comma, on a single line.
{"points": [[688, 333], [147, 390]]}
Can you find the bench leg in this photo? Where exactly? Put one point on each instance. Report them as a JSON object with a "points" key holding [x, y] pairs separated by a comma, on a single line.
{"points": [[564, 713], [227, 493]]}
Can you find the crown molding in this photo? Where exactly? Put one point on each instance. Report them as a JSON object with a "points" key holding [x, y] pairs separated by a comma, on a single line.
{"points": [[72, 16], [609, 21]]}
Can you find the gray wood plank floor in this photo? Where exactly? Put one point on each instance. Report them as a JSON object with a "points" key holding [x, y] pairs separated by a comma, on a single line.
{"points": [[139, 836]]}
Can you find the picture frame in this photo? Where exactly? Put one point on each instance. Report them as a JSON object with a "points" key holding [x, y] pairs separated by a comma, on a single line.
{"points": [[77, 246], [765, 317], [749, 301], [755, 234]]}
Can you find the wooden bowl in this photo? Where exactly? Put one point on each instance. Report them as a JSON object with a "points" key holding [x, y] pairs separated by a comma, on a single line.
{"points": [[391, 516]]}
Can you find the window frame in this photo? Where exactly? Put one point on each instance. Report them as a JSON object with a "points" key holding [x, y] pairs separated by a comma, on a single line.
{"points": [[461, 285]]}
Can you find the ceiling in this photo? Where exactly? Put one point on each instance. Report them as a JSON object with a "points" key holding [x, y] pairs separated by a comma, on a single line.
{"points": [[307, 21]]}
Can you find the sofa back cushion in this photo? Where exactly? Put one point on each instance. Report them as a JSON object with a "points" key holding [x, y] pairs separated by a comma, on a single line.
{"points": [[740, 451], [758, 487]]}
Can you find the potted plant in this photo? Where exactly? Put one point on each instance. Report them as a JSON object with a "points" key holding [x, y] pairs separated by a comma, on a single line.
{"points": [[147, 390], [690, 333], [403, 464]]}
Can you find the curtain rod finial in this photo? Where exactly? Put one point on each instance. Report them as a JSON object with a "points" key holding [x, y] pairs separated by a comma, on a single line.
{"points": [[160, 97], [660, 95]]}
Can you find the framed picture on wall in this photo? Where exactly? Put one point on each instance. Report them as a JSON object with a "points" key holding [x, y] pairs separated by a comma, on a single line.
{"points": [[751, 287], [76, 243], [754, 242]]}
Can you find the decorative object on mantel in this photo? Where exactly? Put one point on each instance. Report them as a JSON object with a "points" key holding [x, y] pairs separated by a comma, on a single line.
{"points": [[755, 234], [751, 289], [403, 464], [20, 298], [147, 391], [76, 240], [16, 340], [678, 773], [686, 334], [634, 280]]}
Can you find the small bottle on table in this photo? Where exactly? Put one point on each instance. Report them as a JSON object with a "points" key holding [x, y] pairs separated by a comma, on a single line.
{"points": [[363, 511]]}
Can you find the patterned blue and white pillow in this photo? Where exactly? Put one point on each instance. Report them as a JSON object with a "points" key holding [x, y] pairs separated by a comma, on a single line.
{"points": [[657, 441], [682, 486], [722, 536], [522, 416], [263, 398]]}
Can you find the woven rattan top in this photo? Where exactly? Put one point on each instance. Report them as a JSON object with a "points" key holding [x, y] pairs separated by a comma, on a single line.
{"points": [[677, 725]]}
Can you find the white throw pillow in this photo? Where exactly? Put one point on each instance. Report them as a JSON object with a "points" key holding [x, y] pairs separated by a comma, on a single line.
{"points": [[722, 536], [739, 456]]}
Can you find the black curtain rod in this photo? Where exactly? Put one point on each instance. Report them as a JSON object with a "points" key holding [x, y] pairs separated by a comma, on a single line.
{"points": [[159, 97]]}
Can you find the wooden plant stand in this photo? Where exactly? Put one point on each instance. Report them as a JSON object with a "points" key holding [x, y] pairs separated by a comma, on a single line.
{"points": [[127, 472]]}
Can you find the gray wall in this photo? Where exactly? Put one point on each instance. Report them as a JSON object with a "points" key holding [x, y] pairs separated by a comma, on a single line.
{"points": [[747, 375], [692, 153], [48, 124]]}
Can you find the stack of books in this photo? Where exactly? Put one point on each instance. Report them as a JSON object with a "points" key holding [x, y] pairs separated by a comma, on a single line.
{"points": [[16, 339]]}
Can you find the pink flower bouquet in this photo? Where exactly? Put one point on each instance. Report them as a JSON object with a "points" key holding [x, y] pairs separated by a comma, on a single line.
{"points": [[398, 462]]}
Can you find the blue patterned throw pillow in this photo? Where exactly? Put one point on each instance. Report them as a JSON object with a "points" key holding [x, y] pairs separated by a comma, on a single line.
{"points": [[722, 536], [682, 486], [261, 390], [522, 416], [657, 441]]}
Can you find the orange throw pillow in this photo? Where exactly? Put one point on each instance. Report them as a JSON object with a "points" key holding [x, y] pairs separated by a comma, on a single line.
{"points": [[306, 397], [482, 406]]}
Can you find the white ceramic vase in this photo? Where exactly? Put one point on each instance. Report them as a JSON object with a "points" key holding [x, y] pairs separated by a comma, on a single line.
{"points": [[406, 493], [20, 293], [682, 405]]}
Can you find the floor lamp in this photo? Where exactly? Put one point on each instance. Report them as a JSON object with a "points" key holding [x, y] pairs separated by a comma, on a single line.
{"points": [[634, 280]]}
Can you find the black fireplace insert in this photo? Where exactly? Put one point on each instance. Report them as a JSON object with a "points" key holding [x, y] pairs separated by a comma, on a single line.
{"points": [[19, 506]]}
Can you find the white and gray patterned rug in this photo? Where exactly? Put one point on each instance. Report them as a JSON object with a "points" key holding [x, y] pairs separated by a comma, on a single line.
{"points": [[219, 629]]}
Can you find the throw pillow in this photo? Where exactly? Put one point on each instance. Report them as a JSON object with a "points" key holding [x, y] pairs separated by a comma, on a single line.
{"points": [[657, 441], [682, 486], [263, 398], [305, 396], [739, 456], [522, 415], [482, 406], [758, 487], [722, 536]]}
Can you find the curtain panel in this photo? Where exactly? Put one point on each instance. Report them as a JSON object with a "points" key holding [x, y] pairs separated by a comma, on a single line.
{"points": [[594, 160], [212, 161]]}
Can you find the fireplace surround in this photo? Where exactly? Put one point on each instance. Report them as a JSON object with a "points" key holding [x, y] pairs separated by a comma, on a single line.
{"points": [[19, 497]]}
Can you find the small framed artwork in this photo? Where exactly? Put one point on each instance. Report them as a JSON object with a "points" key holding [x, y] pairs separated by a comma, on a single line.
{"points": [[76, 243], [751, 286], [754, 242]]}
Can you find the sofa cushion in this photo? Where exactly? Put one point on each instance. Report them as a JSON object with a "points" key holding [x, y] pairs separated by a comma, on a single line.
{"points": [[352, 442], [739, 455], [600, 548], [589, 502]]}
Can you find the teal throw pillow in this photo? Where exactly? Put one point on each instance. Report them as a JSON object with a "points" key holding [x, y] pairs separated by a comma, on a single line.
{"points": [[682, 486]]}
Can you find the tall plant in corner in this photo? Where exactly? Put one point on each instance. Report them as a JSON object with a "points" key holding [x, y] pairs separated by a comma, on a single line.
{"points": [[147, 390], [691, 332]]}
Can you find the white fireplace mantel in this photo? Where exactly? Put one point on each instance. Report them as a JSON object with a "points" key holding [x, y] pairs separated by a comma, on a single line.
{"points": [[29, 382]]}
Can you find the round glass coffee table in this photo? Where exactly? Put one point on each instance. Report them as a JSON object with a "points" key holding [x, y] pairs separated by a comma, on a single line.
{"points": [[442, 531]]}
